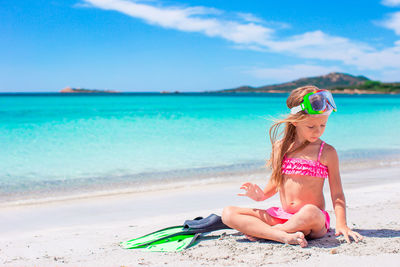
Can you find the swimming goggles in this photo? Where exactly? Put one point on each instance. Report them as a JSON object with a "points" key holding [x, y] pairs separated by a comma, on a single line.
{"points": [[317, 102]]}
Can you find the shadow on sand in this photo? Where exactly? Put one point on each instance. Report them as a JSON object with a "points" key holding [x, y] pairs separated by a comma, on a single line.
{"points": [[331, 241], [381, 233]]}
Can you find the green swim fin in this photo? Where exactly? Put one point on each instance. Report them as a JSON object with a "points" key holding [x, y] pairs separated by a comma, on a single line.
{"points": [[145, 240], [162, 241], [173, 244]]}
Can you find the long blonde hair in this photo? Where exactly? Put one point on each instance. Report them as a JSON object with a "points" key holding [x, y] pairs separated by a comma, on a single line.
{"points": [[282, 146]]}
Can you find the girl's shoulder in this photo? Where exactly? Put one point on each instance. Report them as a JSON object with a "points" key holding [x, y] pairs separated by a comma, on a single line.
{"points": [[329, 154], [329, 149]]}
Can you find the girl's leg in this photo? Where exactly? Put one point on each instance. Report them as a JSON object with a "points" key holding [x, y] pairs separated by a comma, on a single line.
{"points": [[258, 223], [309, 219]]}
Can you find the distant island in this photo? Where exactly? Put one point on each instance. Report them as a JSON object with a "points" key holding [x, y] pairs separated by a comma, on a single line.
{"points": [[81, 90], [335, 81], [339, 83]]}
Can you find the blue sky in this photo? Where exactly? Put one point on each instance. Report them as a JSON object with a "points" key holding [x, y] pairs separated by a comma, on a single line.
{"points": [[155, 45]]}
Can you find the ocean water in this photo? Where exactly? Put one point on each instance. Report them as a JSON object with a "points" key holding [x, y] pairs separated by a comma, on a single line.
{"points": [[55, 142]]}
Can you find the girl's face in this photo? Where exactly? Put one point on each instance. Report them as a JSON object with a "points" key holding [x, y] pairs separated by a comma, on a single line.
{"points": [[312, 128]]}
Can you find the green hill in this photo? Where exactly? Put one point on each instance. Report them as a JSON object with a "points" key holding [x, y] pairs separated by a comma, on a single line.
{"points": [[373, 86], [334, 81]]}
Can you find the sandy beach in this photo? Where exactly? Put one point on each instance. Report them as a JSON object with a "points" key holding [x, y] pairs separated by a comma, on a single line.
{"points": [[121, 118], [87, 231]]}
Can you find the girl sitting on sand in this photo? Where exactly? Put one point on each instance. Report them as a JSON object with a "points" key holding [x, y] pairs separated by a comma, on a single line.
{"points": [[300, 163]]}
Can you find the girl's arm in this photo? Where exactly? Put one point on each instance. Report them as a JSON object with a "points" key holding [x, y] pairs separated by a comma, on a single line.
{"points": [[337, 195], [269, 190], [254, 192]]}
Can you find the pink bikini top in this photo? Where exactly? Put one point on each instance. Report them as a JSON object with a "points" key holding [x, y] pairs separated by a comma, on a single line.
{"points": [[305, 167]]}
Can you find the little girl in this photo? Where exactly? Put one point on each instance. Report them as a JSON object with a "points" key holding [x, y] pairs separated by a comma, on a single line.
{"points": [[300, 163]]}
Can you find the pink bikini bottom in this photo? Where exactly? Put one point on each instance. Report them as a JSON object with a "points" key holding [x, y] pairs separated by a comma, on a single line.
{"points": [[285, 216]]}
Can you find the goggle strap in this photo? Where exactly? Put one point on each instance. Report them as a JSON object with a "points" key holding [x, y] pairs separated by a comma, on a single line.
{"points": [[297, 109]]}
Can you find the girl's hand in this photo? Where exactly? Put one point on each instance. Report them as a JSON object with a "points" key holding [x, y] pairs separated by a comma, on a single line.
{"points": [[346, 232], [253, 191]]}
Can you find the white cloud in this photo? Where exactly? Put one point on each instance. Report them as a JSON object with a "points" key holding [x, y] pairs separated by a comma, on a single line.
{"points": [[250, 17], [389, 76], [252, 35], [289, 73], [391, 2], [392, 22], [379, 60], [189, 20], [319, 45]]}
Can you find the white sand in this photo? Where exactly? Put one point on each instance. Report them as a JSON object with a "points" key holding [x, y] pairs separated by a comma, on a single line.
{"points": [[86, 232]]}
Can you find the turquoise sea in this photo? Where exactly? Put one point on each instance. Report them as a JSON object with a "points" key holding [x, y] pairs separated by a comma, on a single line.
{"points": [[53, 143]]}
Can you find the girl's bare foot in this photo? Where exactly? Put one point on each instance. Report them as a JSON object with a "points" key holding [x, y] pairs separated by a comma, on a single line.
{"points": [[290, 238], [296, 239], [251, 238]]}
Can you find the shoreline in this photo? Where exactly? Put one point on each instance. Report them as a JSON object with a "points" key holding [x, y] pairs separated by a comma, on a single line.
{"points": [[354, 180], [226, 191], [173, 180], [223, 175]]}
